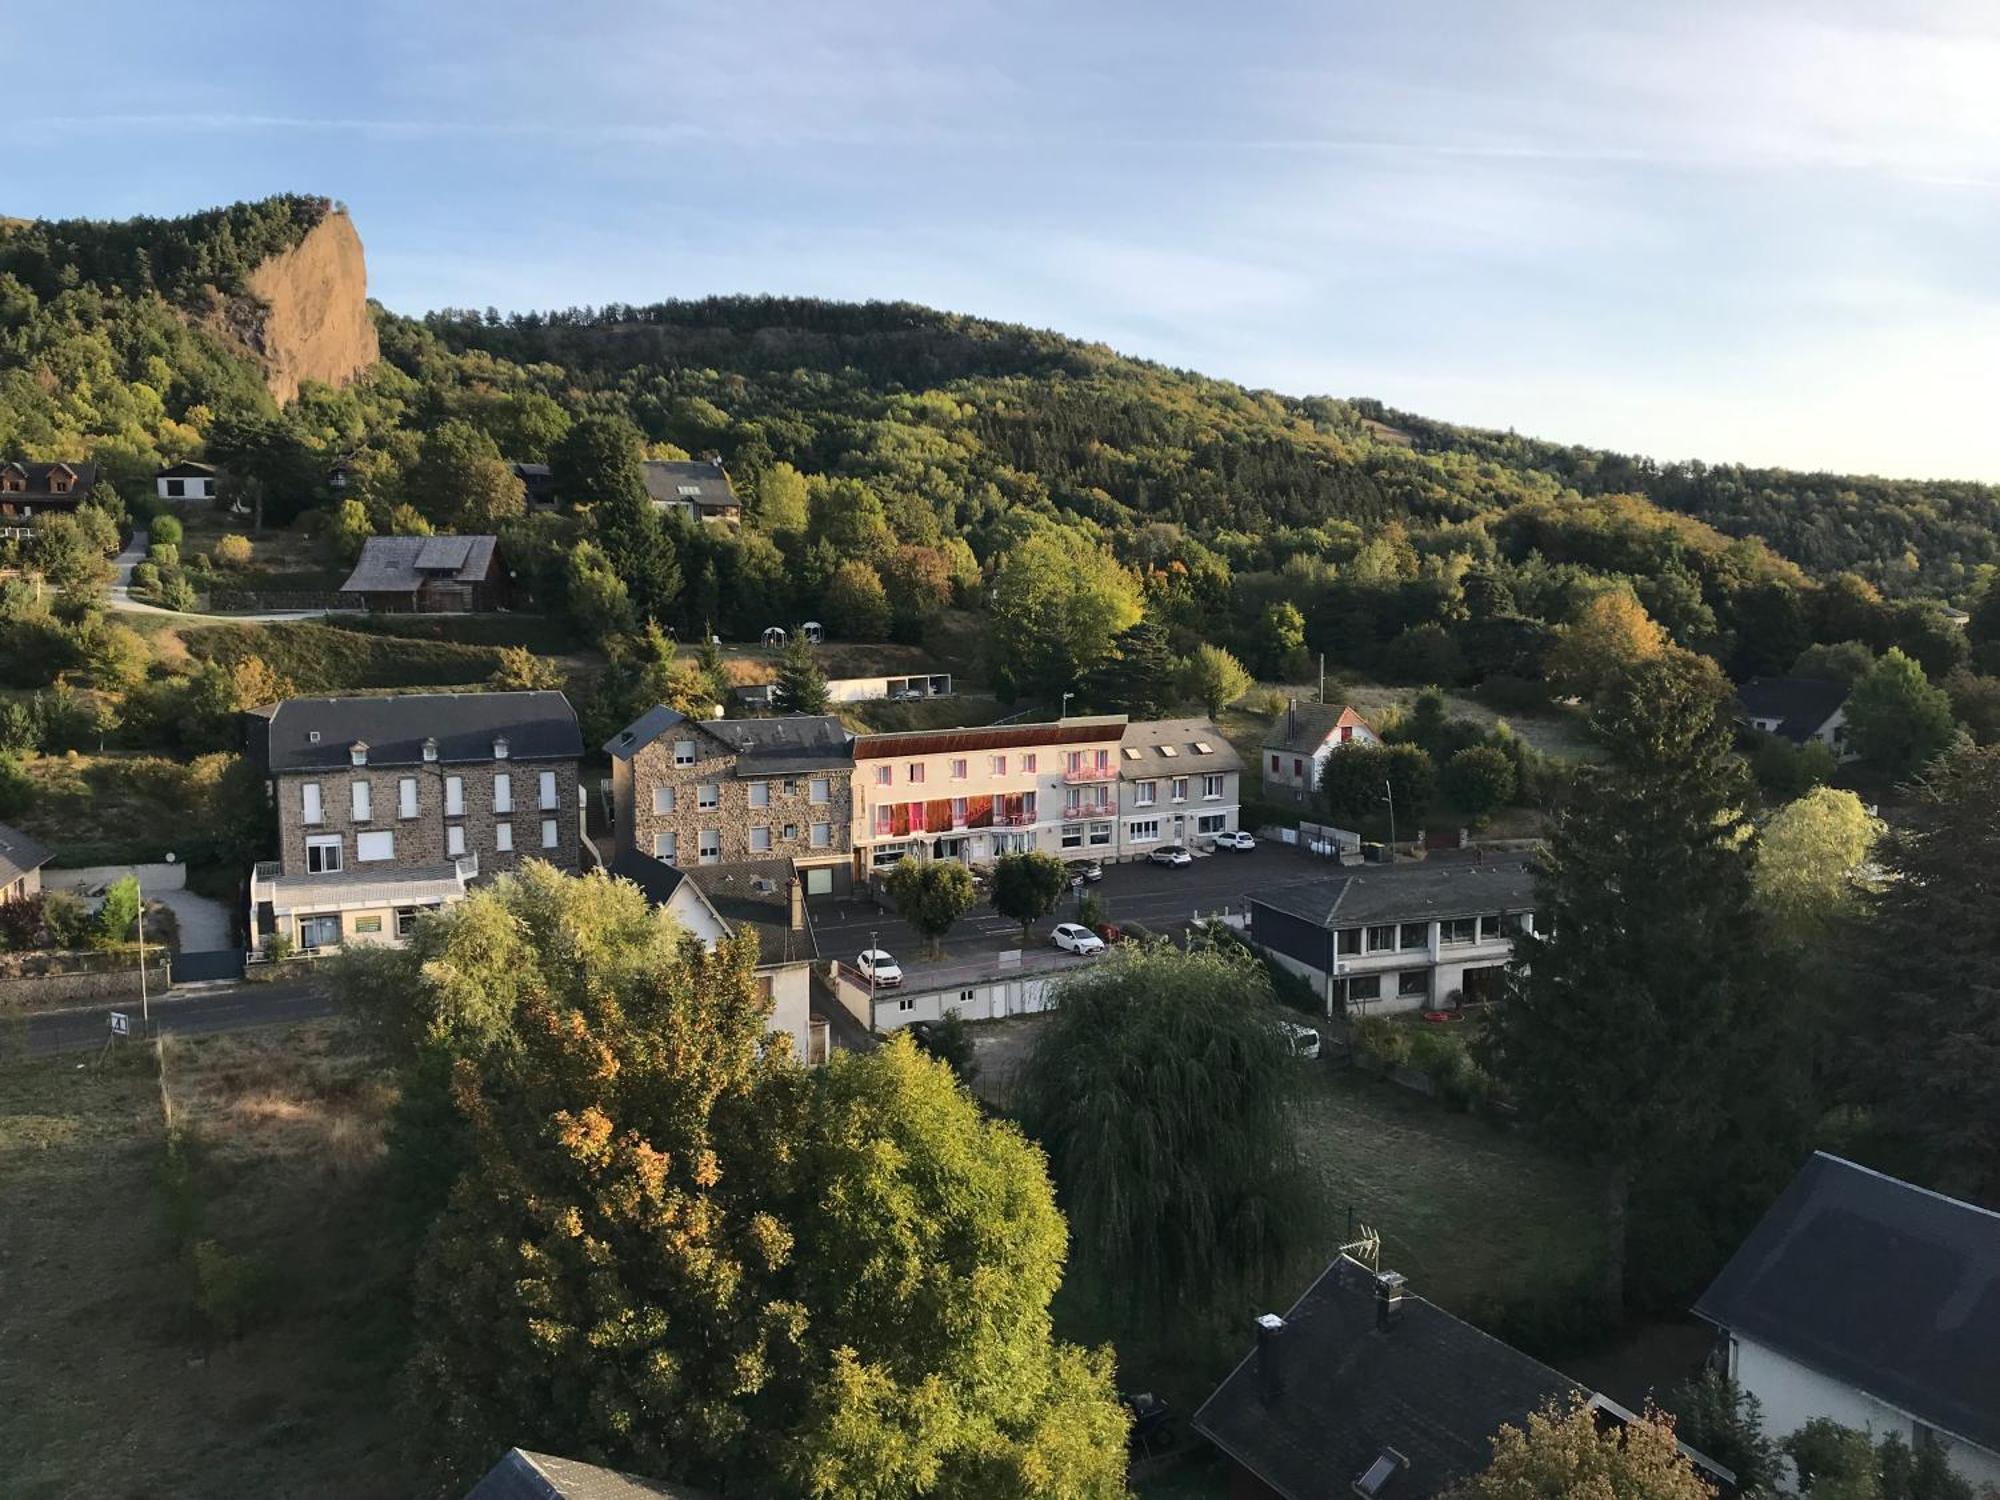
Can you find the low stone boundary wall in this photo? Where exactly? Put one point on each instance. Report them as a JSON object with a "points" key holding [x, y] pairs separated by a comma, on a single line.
{"points": [[89, 987]]}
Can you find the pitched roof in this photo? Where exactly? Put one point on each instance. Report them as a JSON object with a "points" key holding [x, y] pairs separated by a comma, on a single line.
{"points": [[187, 468], [521, 1475], [1174, 747], [751, 893], [1072, 731], [1304, 727], [19, 855], [669, 483], [1426, 891], [313, 734], [36, 479], [1429, 1388], [790, 744], [1881, 1285], [1801, 705], [399, 564]]}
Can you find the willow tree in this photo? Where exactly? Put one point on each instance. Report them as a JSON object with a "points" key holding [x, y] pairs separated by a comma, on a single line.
{"points": [[1163, 1092]]}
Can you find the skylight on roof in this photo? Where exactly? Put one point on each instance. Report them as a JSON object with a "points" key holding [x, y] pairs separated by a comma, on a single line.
{"points": [[1203, 747], [1131, 752], [1168, 750], [1379, 1473]]}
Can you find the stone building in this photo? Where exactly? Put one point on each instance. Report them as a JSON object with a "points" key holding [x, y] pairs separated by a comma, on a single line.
{"points": [[387, 806], [726, 791]]}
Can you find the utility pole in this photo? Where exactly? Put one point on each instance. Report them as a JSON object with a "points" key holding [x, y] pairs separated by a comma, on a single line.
{"points": [[1389, 792], [145, 1005], [1322, 677]]}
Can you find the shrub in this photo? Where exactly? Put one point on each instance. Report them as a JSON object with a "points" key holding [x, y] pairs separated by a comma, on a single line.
{"points": [[146, 577], [1387, 1041], [66, 917], [21, 923], [1478, 780], [164, 555], [231, 1291], [177, 593], [232, 551], [166, 530], [17, 788]]}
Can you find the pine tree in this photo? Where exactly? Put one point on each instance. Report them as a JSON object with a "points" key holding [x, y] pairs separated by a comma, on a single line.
{"points": [[1140, 677], [801, 685]]}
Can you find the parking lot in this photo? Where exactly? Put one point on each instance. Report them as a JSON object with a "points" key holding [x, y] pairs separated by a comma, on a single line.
{"points": [[1156, 896]]}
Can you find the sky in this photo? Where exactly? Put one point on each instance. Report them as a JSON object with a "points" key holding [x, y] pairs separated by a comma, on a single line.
{"points": [[1748, 231]]}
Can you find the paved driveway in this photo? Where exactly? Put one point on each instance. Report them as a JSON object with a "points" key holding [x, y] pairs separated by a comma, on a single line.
{"points": [[204, 923]]}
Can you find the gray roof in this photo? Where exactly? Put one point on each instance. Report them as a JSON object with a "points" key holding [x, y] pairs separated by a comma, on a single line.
{"points": [[732, 891], [1881, 1285], [1304, 727], [1152, 739], [789, 745], [187, 468], [665, 480], [1430, 1387], [19, 855], [1801, 705], [314, 734], [363, 887], [1426, 891], [521, 1475], [36, 477], [398, 564]]}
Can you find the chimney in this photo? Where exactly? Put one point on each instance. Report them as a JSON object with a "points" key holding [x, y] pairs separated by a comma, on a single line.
{"points": [[1388, 1300], [798, 905], [1270, 1369], [1291, 717]]}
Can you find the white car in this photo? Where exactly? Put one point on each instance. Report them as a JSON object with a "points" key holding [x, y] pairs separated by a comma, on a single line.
{"points": [[1302, 1040], [880, 969], [1072, 938], [1235, 839], [1170, 854]]}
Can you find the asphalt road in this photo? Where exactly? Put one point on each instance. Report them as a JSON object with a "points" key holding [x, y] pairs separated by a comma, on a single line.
{"points": [[1156, 896], [235, 1009]]}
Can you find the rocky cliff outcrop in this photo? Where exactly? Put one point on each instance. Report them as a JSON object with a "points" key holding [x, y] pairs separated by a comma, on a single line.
{"points": [[306, 313]]}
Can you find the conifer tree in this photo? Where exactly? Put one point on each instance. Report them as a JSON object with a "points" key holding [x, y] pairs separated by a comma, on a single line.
{"points": [[801, 685], [1140, 677]]}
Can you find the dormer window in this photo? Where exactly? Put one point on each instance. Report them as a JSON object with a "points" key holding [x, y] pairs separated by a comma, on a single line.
{"points": [[430, 749], [358, 752], [500, 747]]}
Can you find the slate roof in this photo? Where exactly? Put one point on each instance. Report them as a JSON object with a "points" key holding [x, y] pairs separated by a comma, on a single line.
{"points": [[1077, 730], [1801, 705], [1881, 1285], [789, 745], [712, 491], [187, 468], [731, 893], [521, 1475], [19, 855], [537, 481], [398, 564], [1432, 1388], [36, 478], [1304, 727], [1142, 752], [537, 726], [1426, 891]]}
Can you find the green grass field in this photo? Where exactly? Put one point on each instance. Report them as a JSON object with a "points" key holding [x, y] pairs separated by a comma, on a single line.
{"points": [[110, 1383]]}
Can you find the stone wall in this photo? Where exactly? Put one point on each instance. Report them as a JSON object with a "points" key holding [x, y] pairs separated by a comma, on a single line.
{"points": [[788, 804], [99, 986]]}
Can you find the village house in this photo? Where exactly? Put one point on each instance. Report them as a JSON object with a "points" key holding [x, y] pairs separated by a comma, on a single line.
{"points": [[539, 483], [1803, 710], [1297, 745], [185, 481], [1377, 939], [29, 492], [700, 490], [1178, 783], [391, 806], [426, 575], [722, 791], [21, 861], [1874, 1303]]}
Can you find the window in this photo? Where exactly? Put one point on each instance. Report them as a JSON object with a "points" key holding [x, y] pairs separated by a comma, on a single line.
{"points": [[666, 847], [1414, 984], [361, 798], [958, 769], [1072, 836], [500, 751], [503, 793], [1348, 940], [406, 921], [176, 489], [319, 932], [454, 841], [1211, 788], [1489, 929], [1145, 830], [1148, 794], [822, 835], [663, 799], [549, 834], [708, 794], [503, 837], [372, 848], [884, 775], [1073, 761], [1028, 764], [1211, 823], [548, 791], [1169, 751], [310, 810], [357, 753], [1459, 930], [1131, 752], [1524, 921], [1298, 766], [906, 1004], [406, 797], [1203, 747], [791, 831], [1276, 765], [367, 925], [885, 821], [323, 854], [819, 791], [454, 796], [997, 764], [711, 846], [760, 839], [1364, 987], [1416, 935], [683, 752], [430, 750], [760, 794], [1180, 788], [916, 773], [958, 812], [1381, 940], [1100, 834]]}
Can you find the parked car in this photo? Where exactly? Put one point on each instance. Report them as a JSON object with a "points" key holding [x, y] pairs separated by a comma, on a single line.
{"points": [[1170, 854], [1235, 839], [1153, 1428], [1086, 869], [1302, 1040], [907, 695], [1073, 938], [880, 968]]}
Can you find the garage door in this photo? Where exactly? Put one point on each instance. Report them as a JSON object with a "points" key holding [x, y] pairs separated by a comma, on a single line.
{"points": [[819, 882]]}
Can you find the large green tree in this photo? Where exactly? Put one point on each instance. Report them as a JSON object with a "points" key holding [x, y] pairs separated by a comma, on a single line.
{"points": [[1140, 677], [1059, 603], [1896, 720], [801, 685], [1026, 886], [1214, 678], [1809, 867], [931, 895]]}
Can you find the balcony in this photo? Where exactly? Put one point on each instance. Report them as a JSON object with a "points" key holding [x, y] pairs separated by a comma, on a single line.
{"points": [[1089, 775]]}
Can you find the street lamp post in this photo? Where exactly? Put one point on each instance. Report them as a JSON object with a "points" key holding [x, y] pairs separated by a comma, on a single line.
{"points": [[1065, 705], [145, 1001], [1389, 793]]}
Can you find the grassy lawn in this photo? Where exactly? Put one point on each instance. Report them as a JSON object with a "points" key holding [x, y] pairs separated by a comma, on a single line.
{"points": [[1555, 732], [110, 1383]]}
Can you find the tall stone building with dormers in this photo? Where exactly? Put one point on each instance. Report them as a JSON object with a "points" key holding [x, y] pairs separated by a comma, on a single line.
{"points": [[723, 791]]}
